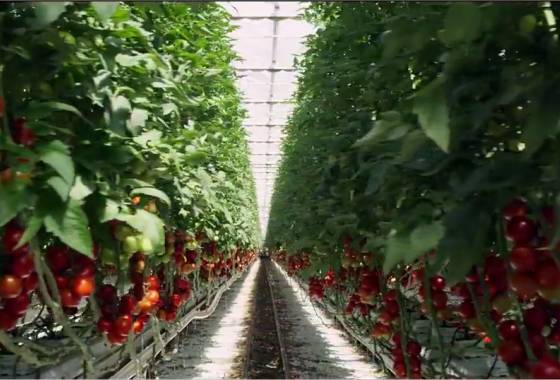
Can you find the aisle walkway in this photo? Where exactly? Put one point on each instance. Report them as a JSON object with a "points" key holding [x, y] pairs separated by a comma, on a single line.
{"points": [[218, 346]]}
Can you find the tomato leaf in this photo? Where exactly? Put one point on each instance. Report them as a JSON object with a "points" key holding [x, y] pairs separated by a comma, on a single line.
{"points": [[137, 120], [13, 198], [59, 185], [105, 9], [80, 190], [462, 23], [70, 224], [430, 104], [57, 155], [32, 226], [153, 192]]}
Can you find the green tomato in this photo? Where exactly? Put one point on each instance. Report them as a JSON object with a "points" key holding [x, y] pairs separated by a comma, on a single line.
{"points": [[191, 245], [527, 24], [123, 232], [144, 244], [130, 245]]}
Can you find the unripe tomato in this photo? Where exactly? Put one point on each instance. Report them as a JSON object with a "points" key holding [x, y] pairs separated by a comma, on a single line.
{"points": [[521, 230], [130, 244], [10, 286], [83, 286], [144, 244], [512, 352], [152, 296]]}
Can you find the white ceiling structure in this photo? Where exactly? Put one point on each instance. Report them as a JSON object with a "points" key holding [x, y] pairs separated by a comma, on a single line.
{"points": [[268, 37]]}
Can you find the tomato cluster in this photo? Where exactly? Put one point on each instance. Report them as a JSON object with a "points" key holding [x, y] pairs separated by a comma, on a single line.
{"points": [[74, 274], [18, 279]]}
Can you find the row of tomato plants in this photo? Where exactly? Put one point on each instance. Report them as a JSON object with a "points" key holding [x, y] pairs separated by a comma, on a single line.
{"points": [[420, 179], [125, 185]]}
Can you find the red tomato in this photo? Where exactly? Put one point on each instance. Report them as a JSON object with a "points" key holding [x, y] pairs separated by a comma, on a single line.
{"points": [[109, 310], [176, 300], [115, 337], [107, 293], [10, 286], [537, 343], [17, 306], [7, 321], [83, 266], [399, 369], [171, 316], [521, 229], [516, 207], [439, 300], [62, 281], [137, 326], [30, 283], [467, 310], [104, 325], [22, 134], [58, 258], [524, 285], [12, 234], [548, 275], [127, 304], [82, 286], [153, 282], [22, 266], [380, 330], [123, 324], [413, 348], [512, 352], [68, 298], [437, 283], [549, 214], [523, 259], [546, 368], [535, 318], [145, 305]]}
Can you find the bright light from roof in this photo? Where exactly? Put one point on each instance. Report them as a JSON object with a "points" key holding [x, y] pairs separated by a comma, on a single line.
{"points": [[268, 38]]}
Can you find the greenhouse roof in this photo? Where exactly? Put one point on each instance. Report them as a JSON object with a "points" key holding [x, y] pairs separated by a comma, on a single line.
{"points": [[268, 37]]}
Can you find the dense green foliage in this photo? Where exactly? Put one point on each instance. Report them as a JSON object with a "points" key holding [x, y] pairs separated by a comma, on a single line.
{"points": [[123, 158], [415, 124]]}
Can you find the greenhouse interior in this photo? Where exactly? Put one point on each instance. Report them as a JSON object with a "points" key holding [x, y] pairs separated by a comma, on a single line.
{"points": [[265, 190]]}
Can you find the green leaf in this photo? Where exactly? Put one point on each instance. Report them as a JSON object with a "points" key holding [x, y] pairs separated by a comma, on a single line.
{"points": [[13, 198], [542, 121], [111, 210], [148, 137], [46, 13], [389, 127], [430, 105], [32, 226], [137, 120], [426, 237], [168, 108], [148, 224], [120, 113], [462, 23], [70, 224], [37, 110], [466, 240], [57, 155], [398, 245], [153, 192], [80, 190], [105, 9], [61, 187]]}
